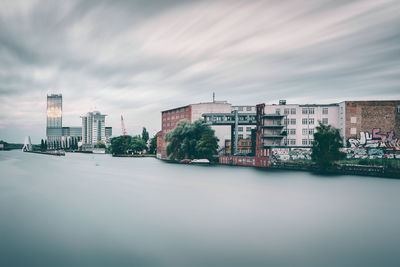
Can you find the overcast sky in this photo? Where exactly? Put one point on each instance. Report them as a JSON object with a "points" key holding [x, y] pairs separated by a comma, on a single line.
{"points": [[137, 58]]}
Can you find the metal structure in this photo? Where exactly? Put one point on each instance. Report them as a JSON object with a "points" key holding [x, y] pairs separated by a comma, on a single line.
{"points": [[123, 129], [233, 119], [27, 144]]}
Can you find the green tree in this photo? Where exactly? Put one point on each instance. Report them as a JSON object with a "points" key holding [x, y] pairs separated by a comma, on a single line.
{"points": [[137, 145], [45, 145], [326, 145], [100, 144], [184, 140], [120, 144], [145, 135], [153, 145], [41, 145], [207, 146]]}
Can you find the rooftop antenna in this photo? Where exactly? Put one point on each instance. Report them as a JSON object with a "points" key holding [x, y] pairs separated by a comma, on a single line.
{"points": [[213, 97]]}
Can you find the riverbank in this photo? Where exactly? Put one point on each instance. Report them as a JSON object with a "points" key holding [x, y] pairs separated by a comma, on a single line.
{"points": [[52, 153], [134, 156], [342, 169]]}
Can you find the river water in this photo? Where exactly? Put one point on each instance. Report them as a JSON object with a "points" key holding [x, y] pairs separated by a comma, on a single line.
{"points": [[96, 210]]}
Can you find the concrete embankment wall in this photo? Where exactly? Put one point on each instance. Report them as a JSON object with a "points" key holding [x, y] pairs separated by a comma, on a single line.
{"points": [[348, 169]]}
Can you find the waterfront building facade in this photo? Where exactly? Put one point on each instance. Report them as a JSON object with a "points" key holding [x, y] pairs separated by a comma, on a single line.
{"points": [[93, 129], [192, 112], [370, 124], [71, 135], [244, 132], [294, 124], [54, 121]]}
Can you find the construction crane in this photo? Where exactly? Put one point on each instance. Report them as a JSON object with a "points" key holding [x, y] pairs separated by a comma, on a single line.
{"points": [[123, 126]]}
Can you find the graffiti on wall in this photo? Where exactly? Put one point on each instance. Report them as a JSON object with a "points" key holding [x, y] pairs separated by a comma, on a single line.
{"points": [[372, 153], [375, 139], [290, 153]]}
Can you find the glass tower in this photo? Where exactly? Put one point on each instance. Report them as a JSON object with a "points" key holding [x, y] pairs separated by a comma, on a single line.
{"points": [[54, 121]]}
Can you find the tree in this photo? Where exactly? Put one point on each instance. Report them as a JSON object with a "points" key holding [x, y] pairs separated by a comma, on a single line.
{"points": [[326, 145], [145, 135], [100, 144], [120, 144], [207, 146], [184, 139], [45, 145], [153, 145], [41, 145], [137, 145]]}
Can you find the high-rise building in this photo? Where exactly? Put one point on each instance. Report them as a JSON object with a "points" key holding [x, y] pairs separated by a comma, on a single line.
{"points": [[93, 129], [108, 132], [54, 120]]}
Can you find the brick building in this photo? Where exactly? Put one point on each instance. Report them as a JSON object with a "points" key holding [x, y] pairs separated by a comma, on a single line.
{"points": [[370, 123], [171, 117]]}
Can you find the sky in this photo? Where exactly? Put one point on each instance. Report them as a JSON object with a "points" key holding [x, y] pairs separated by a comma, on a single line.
{"points": [[138, 57]]}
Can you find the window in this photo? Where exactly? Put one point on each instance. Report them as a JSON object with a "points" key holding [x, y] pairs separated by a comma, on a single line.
{"points": [[305, 131], [304, 121], [307, 110], [293, 111], [286, 121], [248, 108], [245, 143], [311, 131], [311, 121], [240, 136], [278, 111], [248, 129], [353, 131], [293, 121], [292, 131], [286, 111], [324, 110], [304, 142], [240, 108], [310, 141], [353, 119], [398, 109], [325, 121], [240, 129]]}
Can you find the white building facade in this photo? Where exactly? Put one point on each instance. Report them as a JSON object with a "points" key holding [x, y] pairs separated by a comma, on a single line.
{"points": [[93, 128], [299, 121]]}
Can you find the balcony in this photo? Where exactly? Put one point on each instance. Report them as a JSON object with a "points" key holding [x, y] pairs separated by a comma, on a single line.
{"points": [[273, 136], [276, 126], [273, 116]]}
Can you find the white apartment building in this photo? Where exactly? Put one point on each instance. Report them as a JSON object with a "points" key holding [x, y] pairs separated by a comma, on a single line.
{"points": [[93, 128], [300, 120]]}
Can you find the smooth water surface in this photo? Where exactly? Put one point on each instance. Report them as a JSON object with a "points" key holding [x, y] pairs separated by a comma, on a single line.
{"points": [[96, 210]]}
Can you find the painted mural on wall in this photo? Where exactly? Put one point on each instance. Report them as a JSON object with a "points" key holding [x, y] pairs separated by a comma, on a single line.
{"points": [[375, 139], [285, 154]]}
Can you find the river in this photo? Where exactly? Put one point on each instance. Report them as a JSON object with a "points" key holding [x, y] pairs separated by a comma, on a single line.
{"points": [[96, 210]]}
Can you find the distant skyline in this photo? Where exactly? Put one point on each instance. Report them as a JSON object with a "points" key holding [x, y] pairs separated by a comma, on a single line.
{"points": [[137, 58]]}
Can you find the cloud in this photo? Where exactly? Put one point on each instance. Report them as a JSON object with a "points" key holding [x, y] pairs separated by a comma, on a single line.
{"points": [[139, 57]]}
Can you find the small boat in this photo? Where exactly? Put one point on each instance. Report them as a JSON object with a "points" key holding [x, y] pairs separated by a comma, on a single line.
{"points": [[185, 161], [200, 161]]}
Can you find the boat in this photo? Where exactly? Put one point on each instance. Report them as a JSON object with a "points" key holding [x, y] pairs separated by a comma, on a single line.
{"points": [[200, 161]]}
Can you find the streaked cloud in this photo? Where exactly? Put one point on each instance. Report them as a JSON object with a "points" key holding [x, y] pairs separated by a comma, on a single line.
{"points": [[139, 57]]}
